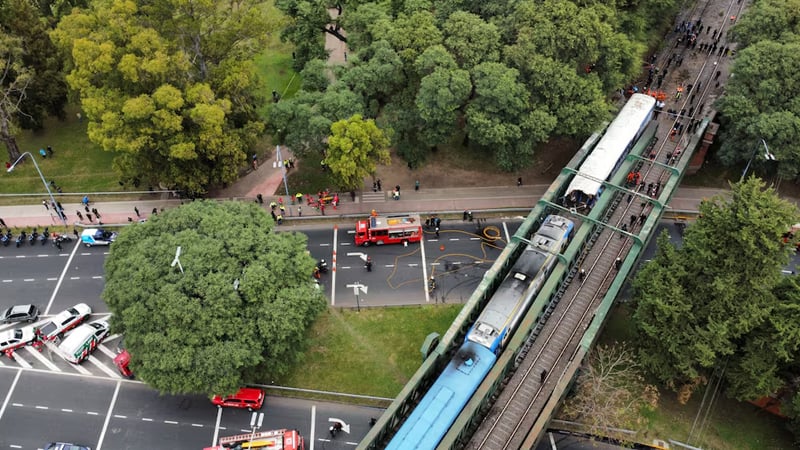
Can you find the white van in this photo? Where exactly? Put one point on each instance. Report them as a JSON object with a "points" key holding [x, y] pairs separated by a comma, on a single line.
{"points": [[83, 340]]}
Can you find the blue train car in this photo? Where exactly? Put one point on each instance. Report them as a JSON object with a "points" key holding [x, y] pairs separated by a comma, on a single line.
{"points": [[426, 426]]}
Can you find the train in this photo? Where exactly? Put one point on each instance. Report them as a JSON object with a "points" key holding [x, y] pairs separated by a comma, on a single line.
{"points": [[486, 338], [610, 151]]}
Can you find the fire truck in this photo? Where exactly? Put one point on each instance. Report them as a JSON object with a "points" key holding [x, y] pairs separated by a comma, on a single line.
{"points": [[264, 440], [396, 229]]}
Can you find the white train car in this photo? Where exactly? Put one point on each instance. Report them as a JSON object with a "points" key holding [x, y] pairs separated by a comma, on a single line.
{"points": [[610, 151]]}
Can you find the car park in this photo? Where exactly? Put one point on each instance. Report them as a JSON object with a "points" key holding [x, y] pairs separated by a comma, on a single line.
{"points": [[13, 339], [97, 236], [63, 321], [250, 398], [20, 313], [82, 341]]}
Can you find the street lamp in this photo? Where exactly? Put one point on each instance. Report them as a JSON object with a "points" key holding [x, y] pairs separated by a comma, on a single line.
{"points": [[283, 171], [177, 259], [767, 154], [52, 199]]}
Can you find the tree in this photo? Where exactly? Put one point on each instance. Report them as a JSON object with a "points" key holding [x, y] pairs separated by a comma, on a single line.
{"points": [[713, 302], [241, 298], [611, 393], [355, 147], [755, 107], [14, 80], [169, 87], [471, 40], [441, 95]]}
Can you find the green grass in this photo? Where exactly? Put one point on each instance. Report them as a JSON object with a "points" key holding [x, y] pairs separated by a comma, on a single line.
{"points": [[374, 352], [309, 177], [732, 425], [77, 165], [274, 66]]}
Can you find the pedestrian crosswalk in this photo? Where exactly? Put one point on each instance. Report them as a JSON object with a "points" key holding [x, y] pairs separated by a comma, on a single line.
{"points": [[373, 197]]}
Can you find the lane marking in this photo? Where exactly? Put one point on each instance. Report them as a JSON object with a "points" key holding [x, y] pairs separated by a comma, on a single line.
{"points": [[97, 277], [313, 426], [333, 265], [118, 416], [21, 361], [42, 256], [17, 404], [345, 267], [29, 279], [108, 352], [36, 354], [474, 239], [389, 265], [455, 239], [104, 368], [41, 407], [108, 416], [85, 254], [74, 278], [424, 270], [61, 279], [81, 369], [411, 265], [8, 394], [198, 425], [92, 413], [66, 410], [7, 281], [216, 427], [147, 419], [325, 244], [20, 256], [351, 231], [14, 446], [505, 229], [345, 244], [171, 422], [52, 279]]}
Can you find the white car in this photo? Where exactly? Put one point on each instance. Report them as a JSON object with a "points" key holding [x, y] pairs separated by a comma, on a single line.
{"points": [[11, 340], [63, 321]]}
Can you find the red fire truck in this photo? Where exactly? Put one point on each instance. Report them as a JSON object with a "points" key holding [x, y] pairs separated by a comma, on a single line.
{"points": [[394, 229], [264, 440]]}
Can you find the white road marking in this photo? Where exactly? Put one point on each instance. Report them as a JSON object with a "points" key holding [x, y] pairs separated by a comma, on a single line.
{"points": [[36, 354], [41, 407], [351, 231], [118, 416], [436, 264], [101, 366], [97, 277], [244, 430], [20, 256], [108, 352], [411, 265], [456, 262], [217, 427], [108, 416], [389, 265], [74, 278], [106, 253], [198, 425], [14, 446], [455, 239], [7, 281], [474, 239], [52, 279], [8, 394], [171, 422], [333, 265], [424, 270], [21, 361], [313, 425], [92, 413], [61, 279], [505, 229], [147, 419], [345, 267], [325, 244], [81, 369], [344, 244], [42, 256], [17, 404], [29, 279], [66, 410], [433, 240], [85, 254]]}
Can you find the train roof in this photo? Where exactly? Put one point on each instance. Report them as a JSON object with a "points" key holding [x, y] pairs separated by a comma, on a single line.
{"points": [[440, 406], [603, 158]]}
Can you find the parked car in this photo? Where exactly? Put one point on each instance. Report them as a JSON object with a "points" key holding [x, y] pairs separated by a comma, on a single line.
{"points": [[82, 341], [65, 446], [20, 313], [97, 236], [250, 398], [63, 321], [11, 340], [122, 361]]}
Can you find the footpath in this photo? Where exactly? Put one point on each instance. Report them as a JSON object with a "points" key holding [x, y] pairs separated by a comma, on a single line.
{"points": [[480, 200]]}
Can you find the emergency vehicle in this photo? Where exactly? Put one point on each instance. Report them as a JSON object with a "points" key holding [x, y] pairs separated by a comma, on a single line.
{"points": [[396, 229], [265, 440]]}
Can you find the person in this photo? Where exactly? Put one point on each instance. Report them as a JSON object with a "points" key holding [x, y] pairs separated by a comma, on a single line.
{"points": [[50, 150], [437, 231], [416, 185], [368, 264], [543, 376], [43, 153], [519, 181], [582, 274], [431, 284], [85, 200], [255, 161], [617, 263]]}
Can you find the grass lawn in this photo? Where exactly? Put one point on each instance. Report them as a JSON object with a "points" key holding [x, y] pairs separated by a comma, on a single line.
{"points": [[374, 352], [77, 165], [274, 66], [732, 425]]}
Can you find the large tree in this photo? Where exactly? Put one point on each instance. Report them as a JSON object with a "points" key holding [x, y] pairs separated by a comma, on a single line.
{"points": [[355, 148], [31, 83], [242, 296], [714, 302], [169, 86]]}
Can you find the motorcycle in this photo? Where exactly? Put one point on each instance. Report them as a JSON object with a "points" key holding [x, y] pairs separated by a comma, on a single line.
{"points": [[45, 236], [431, 285], [322, 265], [335, 429], [32, 237], [61, 238], [6, 239], [21, 238]]}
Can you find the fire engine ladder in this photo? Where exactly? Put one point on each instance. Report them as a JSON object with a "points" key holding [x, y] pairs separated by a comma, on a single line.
{"points": [[276, 438]]}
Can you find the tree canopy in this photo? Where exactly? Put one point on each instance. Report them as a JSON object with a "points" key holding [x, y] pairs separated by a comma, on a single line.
{"points": [[168, 86], [758, 103], [242, 297], [720, 299], [501, 77], [355, 147]]}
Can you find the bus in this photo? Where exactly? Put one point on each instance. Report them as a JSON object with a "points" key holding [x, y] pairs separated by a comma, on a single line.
{"points": [[265, 440], [395, 229]]}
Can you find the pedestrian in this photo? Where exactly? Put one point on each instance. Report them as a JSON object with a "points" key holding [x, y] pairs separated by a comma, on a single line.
{"points": [[80, 216], [374, 186], [80, 117], [379, 184], [642, 218], [437, 232], [57, 243], [543, 376], [416, 185], [89, 216], [353, 196], [716, 75], [618, 263], [255, 160], [280, 219], [283, 209], [322, 208], [46, 206], [633, 220], [582, 274], [335, 200], [273, 205], [625, 229], [154, 212], [630, 197], [299, 211], [50, 150], [519, 181], [3, 223], [136, 210], [86, 208], [274, 217], [260, 199], [43, 153], [97, 214]]}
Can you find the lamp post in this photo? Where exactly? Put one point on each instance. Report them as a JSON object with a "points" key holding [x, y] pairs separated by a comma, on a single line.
{"points": [[52, 199], [283, 171], [767, 154]]}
